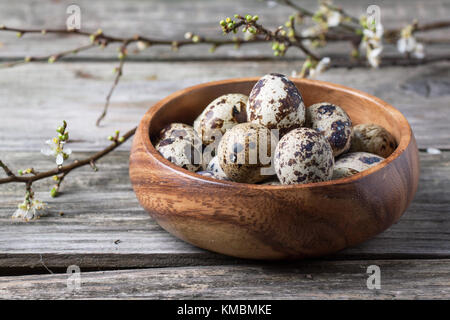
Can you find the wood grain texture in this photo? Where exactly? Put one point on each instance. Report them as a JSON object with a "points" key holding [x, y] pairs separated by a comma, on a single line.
{"points": [[171, 19], [274, 222], [101, 208], [413, 279], [76, 92]]}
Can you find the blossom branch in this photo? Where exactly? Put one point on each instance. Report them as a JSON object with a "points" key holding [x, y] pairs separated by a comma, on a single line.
{"points": [[67, 168]]}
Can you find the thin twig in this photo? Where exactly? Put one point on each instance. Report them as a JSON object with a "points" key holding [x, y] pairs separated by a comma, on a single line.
{"points": [[50, 58], [119, 71]]}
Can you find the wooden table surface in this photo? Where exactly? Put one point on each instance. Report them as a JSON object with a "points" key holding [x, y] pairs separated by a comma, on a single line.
{"points": [[121, 251]]}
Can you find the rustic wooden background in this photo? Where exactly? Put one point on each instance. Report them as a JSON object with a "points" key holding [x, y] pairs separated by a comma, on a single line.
{"points": [[121, 251]]}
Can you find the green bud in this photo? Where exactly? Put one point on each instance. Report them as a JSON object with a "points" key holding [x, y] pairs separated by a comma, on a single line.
{"points": [[288, 24], [54, 192], [195, 39], [110, 138], [230, 25], [20, 172], [51, 59], [276, 53], [116, 132], [60, 130], [236, 16], [227, 20], [27, 59], [248, 17], [222, 23], [255, 18], [121, 139], [19, 34]]}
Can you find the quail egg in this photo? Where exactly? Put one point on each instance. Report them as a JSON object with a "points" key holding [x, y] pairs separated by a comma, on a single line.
{"points": [[179, 144], [220, 115], [276, 103], [354, 162], [214, 167], [303, 156], [175, 130], [333, 122], [374, 139], [245, 151]]}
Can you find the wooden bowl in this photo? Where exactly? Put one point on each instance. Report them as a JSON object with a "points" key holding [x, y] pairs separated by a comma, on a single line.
{"points": [[274, 222]]}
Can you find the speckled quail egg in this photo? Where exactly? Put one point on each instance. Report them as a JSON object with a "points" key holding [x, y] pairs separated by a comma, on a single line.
{"points": [[214, 167], [333, 122], [276, 103], [374, 139], [213, 175], [354, 162], [244, 153], [179, 144], [178, 130], [303, 156], [220, 115]]}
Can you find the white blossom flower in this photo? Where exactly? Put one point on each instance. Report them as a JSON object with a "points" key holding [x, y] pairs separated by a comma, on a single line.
{"points": [[56, 148], [372, 43], [373, 56], [29, 210], [408, 43], [310, 32], [419, 51], [142, 45], [333, 18], [327, 16], [319, 68]]}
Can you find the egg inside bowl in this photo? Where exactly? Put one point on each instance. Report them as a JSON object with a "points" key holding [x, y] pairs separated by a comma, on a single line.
{"points": [[274, 221]]}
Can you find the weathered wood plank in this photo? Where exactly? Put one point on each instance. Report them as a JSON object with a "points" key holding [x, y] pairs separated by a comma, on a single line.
{"points": [[413, 279], [35, 98], [100, 208], [162, 19]]}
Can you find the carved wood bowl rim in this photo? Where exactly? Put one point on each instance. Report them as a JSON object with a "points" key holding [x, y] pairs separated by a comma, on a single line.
{"points": [[402, 144]]}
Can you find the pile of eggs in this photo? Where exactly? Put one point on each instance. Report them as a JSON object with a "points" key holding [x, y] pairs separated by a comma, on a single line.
{"points": [[270, 137]]}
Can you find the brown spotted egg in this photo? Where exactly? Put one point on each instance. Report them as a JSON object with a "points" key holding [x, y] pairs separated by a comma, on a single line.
{"points": [[179, 144], [372, 138], [303, 156], [354, 162], [333, 122], [276, 103], [214, 167], [244, 153], [220, 115]]}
